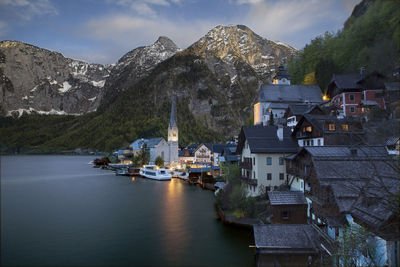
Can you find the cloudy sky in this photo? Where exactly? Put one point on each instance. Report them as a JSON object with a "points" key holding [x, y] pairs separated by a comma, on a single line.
{"points": [[101, 31]]}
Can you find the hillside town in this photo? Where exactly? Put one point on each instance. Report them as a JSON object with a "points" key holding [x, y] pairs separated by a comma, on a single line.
{"points": [[321, 181]]}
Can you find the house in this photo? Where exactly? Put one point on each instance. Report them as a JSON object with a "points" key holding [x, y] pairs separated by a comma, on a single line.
{"points": [[202, 154], [137, 146], [332, 177], [262, 150], [288, 207], [229, 155], [277, 98], [286, 245], [186, 156], [322, 130], [294, 112], [356, 94], [218, 149], [393, 145], [281, 76]]}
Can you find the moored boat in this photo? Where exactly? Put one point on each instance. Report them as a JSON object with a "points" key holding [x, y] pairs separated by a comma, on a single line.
{"points": [[155, 173]]}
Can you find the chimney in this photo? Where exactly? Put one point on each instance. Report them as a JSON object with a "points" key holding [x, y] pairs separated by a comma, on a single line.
{"points": [[362, 72], [279, 133]]}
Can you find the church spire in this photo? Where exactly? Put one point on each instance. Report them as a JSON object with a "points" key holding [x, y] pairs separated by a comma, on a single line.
{"points": [[173, 121]]}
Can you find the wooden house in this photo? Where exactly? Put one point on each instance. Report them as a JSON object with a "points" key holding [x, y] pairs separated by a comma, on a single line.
{"points": [[322, 130], [286, 245], [288, 207], [294, 112], [356, 94], [332, 178]]}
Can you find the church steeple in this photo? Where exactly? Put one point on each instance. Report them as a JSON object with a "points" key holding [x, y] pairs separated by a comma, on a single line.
{"points": [[173, 126]]}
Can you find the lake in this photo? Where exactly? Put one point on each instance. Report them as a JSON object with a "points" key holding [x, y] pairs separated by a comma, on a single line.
{"points": [[59, 211]]}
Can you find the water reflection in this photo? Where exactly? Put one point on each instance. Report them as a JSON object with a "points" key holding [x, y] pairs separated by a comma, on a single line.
{"points": [[174, 220]]}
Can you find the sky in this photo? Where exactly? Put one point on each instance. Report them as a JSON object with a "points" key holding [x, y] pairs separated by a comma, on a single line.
{"points": [[102, 31]]}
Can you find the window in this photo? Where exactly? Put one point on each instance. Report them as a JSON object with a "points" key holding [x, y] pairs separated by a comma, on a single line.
{"points": [[285, 214], [345, 127], [269, 161], [254, 161], [281, 176], [331, 127], [312, 142], [351, 97], [254, 175], [309, 129], [319, 142], [351, 109], [269, 176], [280, 161]]}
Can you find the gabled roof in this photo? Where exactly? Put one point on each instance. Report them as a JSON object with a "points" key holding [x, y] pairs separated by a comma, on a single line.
{"points": [[392, 86], [290, 93], [318, 122], [392, 140], [346, 81], [301, 109], [286, 198], [219, 148], [281, 73], [154, 141], [344, 152], [264, 139], [286, 238]]}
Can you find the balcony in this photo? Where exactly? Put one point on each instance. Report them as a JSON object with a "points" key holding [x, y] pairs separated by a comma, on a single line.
{"points": [[249, 181], [245, 165], [303, 134]]}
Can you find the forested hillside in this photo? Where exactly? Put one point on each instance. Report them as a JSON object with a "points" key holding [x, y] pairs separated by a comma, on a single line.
{"points": [[370, 38]]}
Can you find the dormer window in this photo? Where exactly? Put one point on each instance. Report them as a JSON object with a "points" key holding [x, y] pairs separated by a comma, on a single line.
{"points": [[331, 127]]}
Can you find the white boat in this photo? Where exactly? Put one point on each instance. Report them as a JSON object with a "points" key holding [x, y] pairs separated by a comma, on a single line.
{"points": [[153, 172]]}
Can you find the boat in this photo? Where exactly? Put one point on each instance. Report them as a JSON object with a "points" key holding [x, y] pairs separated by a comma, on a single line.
{"points": [[181, 175], [123, 172], [155, 173]]}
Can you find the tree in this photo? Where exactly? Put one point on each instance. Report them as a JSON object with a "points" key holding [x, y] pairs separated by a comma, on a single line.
{"points": [[159, 161], [271, 118]]}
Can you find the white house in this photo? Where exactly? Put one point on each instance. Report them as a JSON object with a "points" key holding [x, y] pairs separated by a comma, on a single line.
{"points": [[277, 98], [202, 155], [262, 151]]}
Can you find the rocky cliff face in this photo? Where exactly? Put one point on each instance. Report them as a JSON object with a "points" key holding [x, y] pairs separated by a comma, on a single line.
{"points": [[233, 44], [38, 80], [135, 65]]}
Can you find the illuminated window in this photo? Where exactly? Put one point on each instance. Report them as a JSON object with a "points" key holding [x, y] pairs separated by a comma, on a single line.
{"points": [[309, 129], [345, 127], [331, 127]]}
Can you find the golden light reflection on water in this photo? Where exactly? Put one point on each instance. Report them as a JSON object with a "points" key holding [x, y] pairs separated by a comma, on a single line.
{"points": [[174, 220]]}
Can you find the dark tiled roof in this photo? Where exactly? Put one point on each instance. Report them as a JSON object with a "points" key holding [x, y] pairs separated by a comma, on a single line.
{"points": [[347, 81], [282, 238], [300, 109], [354, 152], [219, 148], [264, 139], [278, 105], [154, 141], [290, 93], [393, 86], [286, 198]]}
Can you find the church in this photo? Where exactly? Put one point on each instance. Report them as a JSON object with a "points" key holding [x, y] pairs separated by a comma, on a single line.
{"points": [[172, 156]]}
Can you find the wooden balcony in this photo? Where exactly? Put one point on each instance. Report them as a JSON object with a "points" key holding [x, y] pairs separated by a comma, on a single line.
{"points": [[245, 165], [303, 134], [249, 181]]}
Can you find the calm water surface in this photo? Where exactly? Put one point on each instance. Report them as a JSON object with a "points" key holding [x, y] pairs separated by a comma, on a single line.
{"points": [[59, 211]]}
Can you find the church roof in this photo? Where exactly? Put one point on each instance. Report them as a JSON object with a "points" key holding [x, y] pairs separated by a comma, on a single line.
{"points": [[173, 120]]}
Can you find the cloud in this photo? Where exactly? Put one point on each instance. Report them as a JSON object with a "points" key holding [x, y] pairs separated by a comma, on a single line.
{"points": [[3, 28], [144, 7], [27, 9], [135, 29]]}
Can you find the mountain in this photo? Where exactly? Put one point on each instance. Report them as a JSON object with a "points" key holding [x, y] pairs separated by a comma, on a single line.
{"points": [[216, 82], [238, 43], [42, 81], [135, 65]]}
